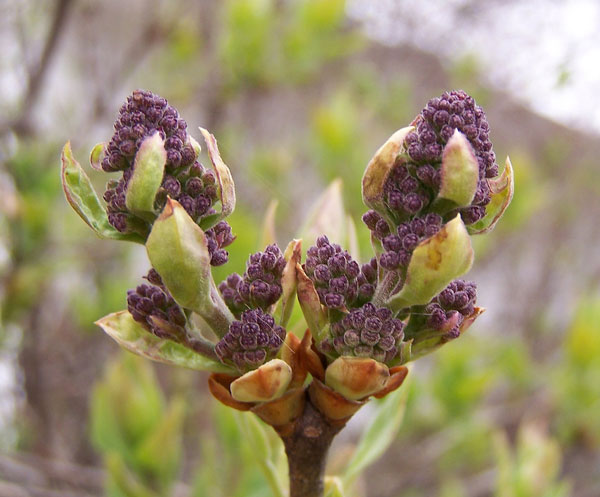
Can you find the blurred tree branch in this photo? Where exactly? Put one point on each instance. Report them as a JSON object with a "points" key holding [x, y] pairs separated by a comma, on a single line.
{"points": [[21, 124]]}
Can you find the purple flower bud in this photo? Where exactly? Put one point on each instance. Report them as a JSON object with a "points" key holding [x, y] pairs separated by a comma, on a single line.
{"points": [[251, 341], [365, 332], [154, 299]]}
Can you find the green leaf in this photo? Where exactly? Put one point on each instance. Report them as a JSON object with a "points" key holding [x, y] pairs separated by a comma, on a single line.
{"points": [[121, 478], [459, 171], [160, 453], [435, 262], [178, 250], [133, 336], [148, 171], [224, 178], [96, 156], [81, 196], [334, 487], [501, 188], [379, 168], [326, 217], [380, 433], [257, 437]]}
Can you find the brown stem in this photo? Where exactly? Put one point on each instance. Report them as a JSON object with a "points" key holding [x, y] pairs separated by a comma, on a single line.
{"points": [[306, 448]]}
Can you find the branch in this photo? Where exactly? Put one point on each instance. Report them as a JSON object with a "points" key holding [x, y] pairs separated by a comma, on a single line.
{"points": [[22, 123]]}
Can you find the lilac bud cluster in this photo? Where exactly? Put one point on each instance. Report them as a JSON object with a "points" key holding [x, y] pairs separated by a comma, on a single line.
{"points": [[409, 189], [435, 125], [184, 180], [260, 287], [367, 281], [155, 301], [399, 247], [252, 341], [334, 274], [218, 237], [366, 332], [451, 306]]}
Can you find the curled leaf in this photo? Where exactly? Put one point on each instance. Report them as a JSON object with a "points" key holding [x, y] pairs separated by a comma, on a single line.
{"points": [[148, 170], [309, 303], [96, 156], [289, 281], [379, 168], [501, 188], [178, 250], [326, 216], [82, 197], [266, 383], [459, 171], [132, 336], [434, 263], [356, 377], [225, 180]]}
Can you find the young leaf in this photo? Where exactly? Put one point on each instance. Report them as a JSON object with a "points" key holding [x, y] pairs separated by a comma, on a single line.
{"points": [[225, 180], [133, 336], [255, 433], [501, 188], [148, 170], [459, 171], [379, 434], [81, 196], [379, 168], [435, 262], [326, 217]]}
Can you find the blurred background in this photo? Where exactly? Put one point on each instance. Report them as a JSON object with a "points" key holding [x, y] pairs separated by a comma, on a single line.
{"points": [[298, 93]]}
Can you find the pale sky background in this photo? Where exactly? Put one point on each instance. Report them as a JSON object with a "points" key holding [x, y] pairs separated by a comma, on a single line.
{"points": [[545, 52]]}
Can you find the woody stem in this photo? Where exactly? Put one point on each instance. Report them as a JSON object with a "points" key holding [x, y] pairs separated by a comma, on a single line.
{"points": [[306, 448]]}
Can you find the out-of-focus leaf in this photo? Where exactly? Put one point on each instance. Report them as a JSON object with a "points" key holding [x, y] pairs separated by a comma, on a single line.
{"points": [[255, 434], [132, 336], [326, 217], [268, 233], [379, 434], [160, 453], [123, 480], [81, 196], [334, 487]]}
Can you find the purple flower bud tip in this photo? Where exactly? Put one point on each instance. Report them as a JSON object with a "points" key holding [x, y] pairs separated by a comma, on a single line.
{"points": [[399, 247], [251, 341], [365, 332], [453, 303], [154, 300], [260, 287], [337, 277], [414, 181], [185, 179]]}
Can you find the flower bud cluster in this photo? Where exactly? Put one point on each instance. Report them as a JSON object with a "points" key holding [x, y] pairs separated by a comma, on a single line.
{"points": [[410, 189], [451, 306], [260, 287], [139, 117], [218, 237], [399, 247], [251, 341], [367, 281], [334, 274], [366, 332], [184, 180], [435, 125], [154, 301]]}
